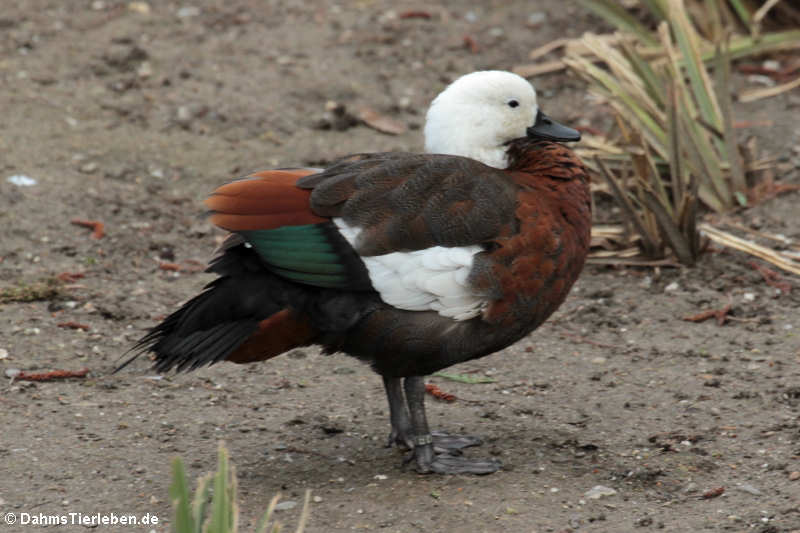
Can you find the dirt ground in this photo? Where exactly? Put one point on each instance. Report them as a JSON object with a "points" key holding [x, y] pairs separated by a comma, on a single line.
{"points": [[131, 113]]}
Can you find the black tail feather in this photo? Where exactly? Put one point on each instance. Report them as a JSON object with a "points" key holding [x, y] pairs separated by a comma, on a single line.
{"points": [[213, 324]]}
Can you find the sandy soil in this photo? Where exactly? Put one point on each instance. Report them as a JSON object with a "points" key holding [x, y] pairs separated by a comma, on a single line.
{"points": [[131, 116]]}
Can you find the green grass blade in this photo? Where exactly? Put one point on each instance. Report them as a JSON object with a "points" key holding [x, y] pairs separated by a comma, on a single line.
{"points": [[723, 75], [687, 40], [305, 513], [263, 524], [649, 241], [220, 520], [653, 84], [675, 164], [669, 228], [464, 378], [742, 12], [657, 8], [179, 495], [744, 46], [613, 13], [200, 503]]}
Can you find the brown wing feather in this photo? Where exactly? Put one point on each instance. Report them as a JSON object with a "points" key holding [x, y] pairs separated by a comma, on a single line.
{"points": [[414, 201], [264, 200]]}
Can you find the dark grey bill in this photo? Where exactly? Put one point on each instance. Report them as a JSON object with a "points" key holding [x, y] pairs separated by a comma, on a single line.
{"points": [[547, 128]]}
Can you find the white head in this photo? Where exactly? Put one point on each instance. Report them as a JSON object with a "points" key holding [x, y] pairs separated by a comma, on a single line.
{"points": [[478, 113]]}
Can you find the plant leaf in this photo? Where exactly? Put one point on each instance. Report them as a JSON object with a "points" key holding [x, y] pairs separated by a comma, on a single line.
{"points": [[465, 378]]}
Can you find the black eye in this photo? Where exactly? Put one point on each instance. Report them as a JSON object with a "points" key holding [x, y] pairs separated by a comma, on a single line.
{"points": [[513, 103]]}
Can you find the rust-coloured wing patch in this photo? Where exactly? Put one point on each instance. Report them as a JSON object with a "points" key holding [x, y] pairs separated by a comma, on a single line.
{"points": [[265, 200], [275, 335]]}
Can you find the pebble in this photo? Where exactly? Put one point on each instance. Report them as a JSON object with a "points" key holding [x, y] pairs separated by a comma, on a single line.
{"points": [[285, 506], [143, 8], [599, 491], [537, 18], [761, 80], [3, 353], [89, 167], [145, 70], [749, 297], [672, 287], [188, 11], [12, 372], [317, 499], [749, 489], [599, 360], [21, 180], [794, 476], [184, 115]]}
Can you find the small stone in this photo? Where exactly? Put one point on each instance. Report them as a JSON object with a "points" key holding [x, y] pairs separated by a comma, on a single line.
{"points": [[748, 297], [89, 168], [12, 372], [188, 11], [183, 114], [98, 5], [381, 477], [749, 489], [143, 8], [794, 476], [285, 506], [599, 360], [145, 70], [31, 331], [3, 353], [317, 499], [761, 80], [672, 287], [20, 180], [537, 18], [599, 491]]}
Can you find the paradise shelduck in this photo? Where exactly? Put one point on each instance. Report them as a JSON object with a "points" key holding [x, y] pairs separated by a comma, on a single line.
{"points": [[410, 262]]}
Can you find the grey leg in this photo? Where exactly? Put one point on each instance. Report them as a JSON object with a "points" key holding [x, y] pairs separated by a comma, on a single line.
{"points": [[398, 414], [424, 456], [402, 433]]}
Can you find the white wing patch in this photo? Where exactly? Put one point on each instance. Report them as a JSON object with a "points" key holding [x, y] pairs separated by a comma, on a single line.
{"points": [[430, 279]]}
